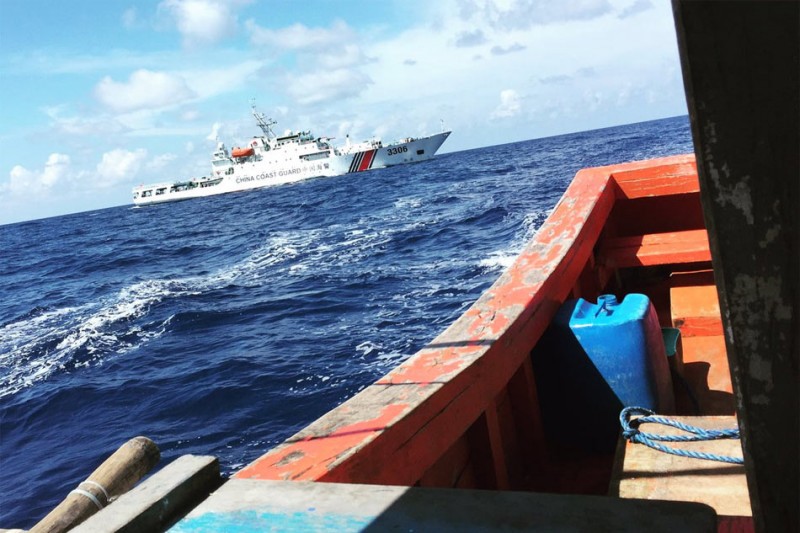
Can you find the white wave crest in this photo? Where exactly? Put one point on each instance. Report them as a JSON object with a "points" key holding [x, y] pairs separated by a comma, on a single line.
{"points": [[499, 260], [34, 347]]}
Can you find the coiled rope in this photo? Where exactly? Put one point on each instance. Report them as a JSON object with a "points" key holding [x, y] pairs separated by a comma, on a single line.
{"points": [[631, 432]]}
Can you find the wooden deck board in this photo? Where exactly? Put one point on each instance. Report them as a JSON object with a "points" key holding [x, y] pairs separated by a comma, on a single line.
{"points": [[690, 246], [695, 310], [651, 474], [249, 505]]}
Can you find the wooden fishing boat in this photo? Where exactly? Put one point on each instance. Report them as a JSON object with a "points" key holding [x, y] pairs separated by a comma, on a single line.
{"points": [[458, 436], [465, 411]]}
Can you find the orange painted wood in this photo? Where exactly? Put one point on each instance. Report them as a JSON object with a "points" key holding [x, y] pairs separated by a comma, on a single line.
{"points": [[695, 310], [656, 214], [694, 307], [690, 246], [706, 369], [396, 430], [677, 178]]}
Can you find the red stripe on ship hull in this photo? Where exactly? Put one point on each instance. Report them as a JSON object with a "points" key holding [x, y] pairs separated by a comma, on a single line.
{"points": [[367, 161]]}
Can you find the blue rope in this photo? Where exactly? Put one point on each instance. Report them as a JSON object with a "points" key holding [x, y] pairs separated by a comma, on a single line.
{"points": [[630, 431]]}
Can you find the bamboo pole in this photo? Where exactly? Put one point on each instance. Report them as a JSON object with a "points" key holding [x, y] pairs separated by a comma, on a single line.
{"points": [[114, 477]]}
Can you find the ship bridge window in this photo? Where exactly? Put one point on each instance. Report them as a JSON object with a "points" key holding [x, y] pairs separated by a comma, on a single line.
{"points": [[147, 193], [161, 191]]}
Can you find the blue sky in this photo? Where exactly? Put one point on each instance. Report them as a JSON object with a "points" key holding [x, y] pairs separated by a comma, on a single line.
{"points": [[99, 96]]}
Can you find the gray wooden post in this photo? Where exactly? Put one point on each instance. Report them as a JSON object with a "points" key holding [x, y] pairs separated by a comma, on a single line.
{"points": [[741, 64]]}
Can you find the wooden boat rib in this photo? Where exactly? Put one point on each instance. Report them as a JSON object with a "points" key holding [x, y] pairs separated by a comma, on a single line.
{"points": [[463, 411]]}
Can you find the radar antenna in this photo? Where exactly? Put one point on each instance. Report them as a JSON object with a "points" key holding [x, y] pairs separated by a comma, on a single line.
{"points": [[263, 122]]}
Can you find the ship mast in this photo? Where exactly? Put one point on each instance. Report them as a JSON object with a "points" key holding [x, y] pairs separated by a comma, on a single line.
{"points": [[263, 122]]}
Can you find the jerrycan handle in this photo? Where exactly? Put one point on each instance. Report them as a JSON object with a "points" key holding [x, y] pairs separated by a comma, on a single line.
{"points": [[606, 304]]}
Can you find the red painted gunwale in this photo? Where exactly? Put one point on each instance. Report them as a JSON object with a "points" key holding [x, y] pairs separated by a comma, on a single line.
{"points": [[399, 429]]}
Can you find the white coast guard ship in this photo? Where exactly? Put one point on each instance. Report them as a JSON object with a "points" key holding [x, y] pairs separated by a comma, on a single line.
{"points": [[272, 160]]}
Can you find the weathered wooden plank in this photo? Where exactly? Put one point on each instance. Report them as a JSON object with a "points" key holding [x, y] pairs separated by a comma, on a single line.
{"points": [[690, 246], [161, 499], [527, 418], [706, 370], [643, 183], [449, 469], [497, 447], [695, 310], [252, 505], [740, 68], [651, 474]]}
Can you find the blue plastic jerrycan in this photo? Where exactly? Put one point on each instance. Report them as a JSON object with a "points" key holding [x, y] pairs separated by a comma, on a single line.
{"points": [[595, 359]]}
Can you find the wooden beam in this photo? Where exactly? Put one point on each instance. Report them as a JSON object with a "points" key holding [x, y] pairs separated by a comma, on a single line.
{"points": [[675, 247], [741, 64], [496, 445]]}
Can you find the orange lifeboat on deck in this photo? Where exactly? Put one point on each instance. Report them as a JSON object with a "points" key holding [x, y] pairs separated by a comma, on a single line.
{"points": [[242, 152]]}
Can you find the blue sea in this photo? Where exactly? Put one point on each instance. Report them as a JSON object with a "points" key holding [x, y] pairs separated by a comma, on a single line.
{"points": [[222, 325]]}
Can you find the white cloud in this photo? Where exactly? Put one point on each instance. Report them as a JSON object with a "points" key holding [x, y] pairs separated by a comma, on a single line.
{"points": [[328, 60], [524, 14], [145, 89], [208, 82], [499, 50], [119, 165], [324, 86], [592, 99], [639, 6], [82, 125], [349, 55], [510, 104], [55, 168], [23, 181], [301, 37], [201, 22], [190, 114], [214, 135], [467, 39], [130, 18], [161, 161]]}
